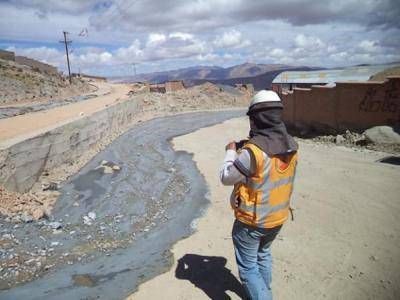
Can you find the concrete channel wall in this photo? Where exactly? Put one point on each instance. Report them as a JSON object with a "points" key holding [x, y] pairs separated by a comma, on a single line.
{"points": [[21, 164]]}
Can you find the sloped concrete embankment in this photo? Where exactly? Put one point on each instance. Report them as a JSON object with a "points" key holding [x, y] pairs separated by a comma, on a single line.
{"points": [[22, 163]]}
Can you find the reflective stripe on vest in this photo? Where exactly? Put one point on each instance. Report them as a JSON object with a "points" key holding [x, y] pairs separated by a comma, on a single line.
{"points": [[265, 197]]}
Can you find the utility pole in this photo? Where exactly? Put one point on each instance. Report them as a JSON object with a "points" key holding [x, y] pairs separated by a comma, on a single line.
{"points": [[66, 51], [134, 68]]}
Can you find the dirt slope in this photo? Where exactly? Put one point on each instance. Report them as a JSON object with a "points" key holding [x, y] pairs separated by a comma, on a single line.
{"points": [[23, 84]]}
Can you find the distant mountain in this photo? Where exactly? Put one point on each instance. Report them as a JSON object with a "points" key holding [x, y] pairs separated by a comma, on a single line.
{"points": [[259, 82], [260, 75], [206, 72]]}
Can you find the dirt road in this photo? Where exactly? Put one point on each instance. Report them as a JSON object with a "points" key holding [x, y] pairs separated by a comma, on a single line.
{"points": [[343, 244], [27, 125]]}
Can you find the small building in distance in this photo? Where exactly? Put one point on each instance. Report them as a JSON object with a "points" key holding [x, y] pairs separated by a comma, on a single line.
{"points": [[289, 80], [157, 88], [168, 86], [174, 85]]}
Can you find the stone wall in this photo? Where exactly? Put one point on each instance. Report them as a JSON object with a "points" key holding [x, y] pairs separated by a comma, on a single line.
{"points": [[7, 55], [23, 163], [36, 64], [348, 105]]}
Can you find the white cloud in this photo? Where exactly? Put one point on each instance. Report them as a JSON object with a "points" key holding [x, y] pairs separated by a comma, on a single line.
{"points": [[231, 39], [181, 35], [308, 42], [369, 46], [278, 53], [156, 38]]}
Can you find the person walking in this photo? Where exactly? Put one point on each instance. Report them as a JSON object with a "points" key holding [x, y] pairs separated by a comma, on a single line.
{"points": [[262, 170]]}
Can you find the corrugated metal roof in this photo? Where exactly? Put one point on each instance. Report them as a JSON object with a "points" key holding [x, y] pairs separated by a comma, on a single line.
{"points": [[359, 73]]}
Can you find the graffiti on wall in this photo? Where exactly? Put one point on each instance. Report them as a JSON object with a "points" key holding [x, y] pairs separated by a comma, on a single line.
{"points": [[373, 101]]}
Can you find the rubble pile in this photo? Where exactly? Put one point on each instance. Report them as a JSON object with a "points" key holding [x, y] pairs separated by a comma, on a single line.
{"points": [[379, 138]]}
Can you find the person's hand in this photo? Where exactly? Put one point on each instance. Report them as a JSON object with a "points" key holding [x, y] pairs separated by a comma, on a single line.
{"points": [[231, 146]]}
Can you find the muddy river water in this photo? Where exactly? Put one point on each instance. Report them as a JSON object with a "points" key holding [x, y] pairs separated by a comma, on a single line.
{"points": [[115, 220]]}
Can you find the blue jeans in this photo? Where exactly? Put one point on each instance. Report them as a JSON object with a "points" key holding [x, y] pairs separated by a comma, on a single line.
{"points": [[253, 257]]}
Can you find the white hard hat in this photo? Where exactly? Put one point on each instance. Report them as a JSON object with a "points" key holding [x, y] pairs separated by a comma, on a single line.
{"points": [[267, 97]]}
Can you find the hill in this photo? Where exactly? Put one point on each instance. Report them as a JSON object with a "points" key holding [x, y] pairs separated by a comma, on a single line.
{"points": [[21, 84], [381, 76], [206, 72]]}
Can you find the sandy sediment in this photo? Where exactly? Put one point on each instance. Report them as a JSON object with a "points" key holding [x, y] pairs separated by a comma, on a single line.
{"points": [[343, 243]]}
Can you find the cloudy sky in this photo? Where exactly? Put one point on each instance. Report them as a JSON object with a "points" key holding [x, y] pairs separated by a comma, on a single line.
{"points": [[110, 35]]}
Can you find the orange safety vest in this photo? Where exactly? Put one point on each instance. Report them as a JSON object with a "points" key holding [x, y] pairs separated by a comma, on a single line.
{"points": [[264, 199]]}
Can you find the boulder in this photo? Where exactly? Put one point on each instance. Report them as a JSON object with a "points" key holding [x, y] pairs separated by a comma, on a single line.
{"points": [[340, 140], [382, 135]]}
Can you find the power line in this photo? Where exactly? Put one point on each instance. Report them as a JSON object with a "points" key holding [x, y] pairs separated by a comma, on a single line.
{"points": [[66, 42]]}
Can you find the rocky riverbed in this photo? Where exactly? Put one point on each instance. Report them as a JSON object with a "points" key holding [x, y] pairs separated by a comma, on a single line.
{"points": [[115, 220]]}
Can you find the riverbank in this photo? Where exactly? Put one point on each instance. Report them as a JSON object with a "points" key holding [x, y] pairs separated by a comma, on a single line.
{"points": [[343, 243]]}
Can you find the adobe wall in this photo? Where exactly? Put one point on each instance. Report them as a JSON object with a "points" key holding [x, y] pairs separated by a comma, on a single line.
{"points": [[157, 88], [349, 105], [171, 86], [36, 64], [7, 55]]}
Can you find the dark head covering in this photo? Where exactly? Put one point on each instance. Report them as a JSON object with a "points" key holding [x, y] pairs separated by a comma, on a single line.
{"points": [[267, 131]]}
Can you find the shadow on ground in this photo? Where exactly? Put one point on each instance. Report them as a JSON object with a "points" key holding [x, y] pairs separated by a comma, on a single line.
{"points": [[392, 160], [209, 274]]}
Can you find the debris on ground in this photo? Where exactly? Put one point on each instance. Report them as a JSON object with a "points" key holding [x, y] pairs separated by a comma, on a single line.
{"points": [[380, 138]]}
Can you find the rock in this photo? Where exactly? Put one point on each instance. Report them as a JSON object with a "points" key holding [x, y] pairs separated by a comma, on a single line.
{"points": [[340, 140], [16, 219], [7, 236], [87, 220], [37, 213], [107, 170], [104, 162], [51, 186], [76, 204], [92, 215], [26, 218], [54, 244], [116, 167], [55, 225], [382, 135]]}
